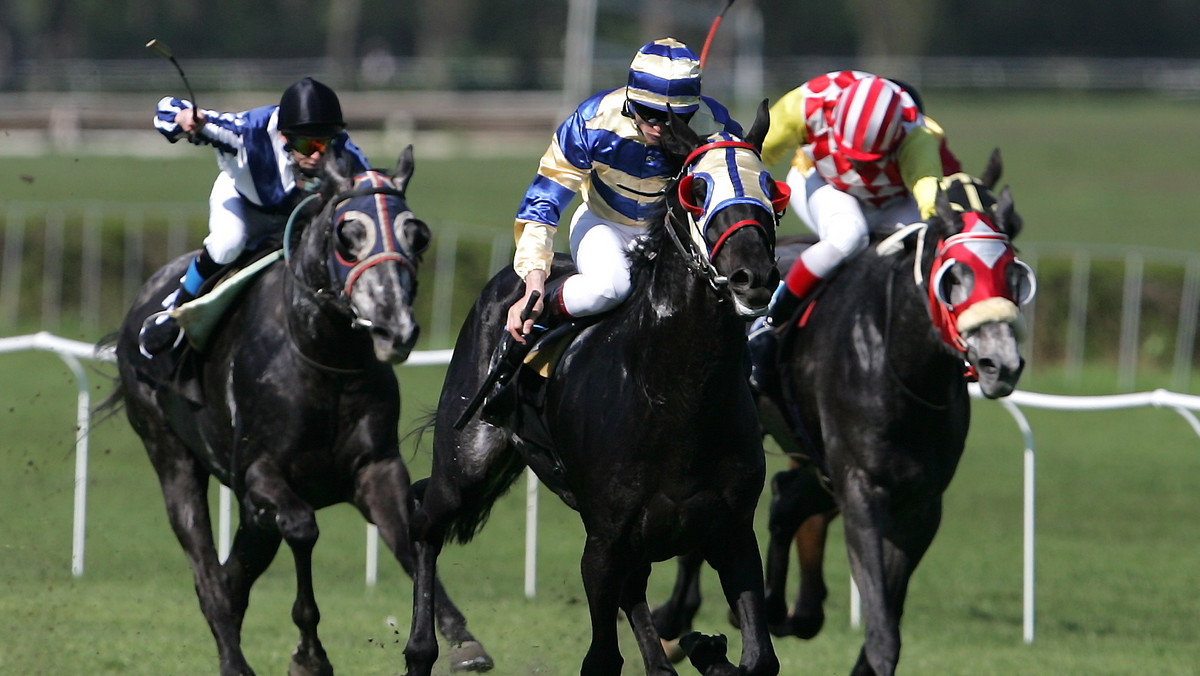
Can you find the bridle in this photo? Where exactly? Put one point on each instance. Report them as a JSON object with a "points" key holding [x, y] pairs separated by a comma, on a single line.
{"points": [[697, 254], [339, 301]]}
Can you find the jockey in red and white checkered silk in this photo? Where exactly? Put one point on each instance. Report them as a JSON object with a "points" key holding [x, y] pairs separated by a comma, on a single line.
{"points": [[866, 159]]}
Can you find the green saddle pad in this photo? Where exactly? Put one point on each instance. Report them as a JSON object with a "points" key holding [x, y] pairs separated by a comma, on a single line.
{"points": [[199, 317]]}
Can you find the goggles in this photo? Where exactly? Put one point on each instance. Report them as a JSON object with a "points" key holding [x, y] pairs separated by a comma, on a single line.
{"points": [[651, 116], [308, 146]]}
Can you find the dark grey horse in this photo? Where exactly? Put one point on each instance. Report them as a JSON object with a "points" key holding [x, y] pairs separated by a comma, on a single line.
{"points": [[876, 407], [294, 405], [648, 424]]}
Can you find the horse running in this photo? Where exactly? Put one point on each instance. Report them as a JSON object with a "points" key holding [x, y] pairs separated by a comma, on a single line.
{"points": [[876, 406], [294, 405], [648, 424]]}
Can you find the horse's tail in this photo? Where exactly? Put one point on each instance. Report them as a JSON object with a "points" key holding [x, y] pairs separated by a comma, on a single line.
{"points": [[115, 401], [473, 514]]}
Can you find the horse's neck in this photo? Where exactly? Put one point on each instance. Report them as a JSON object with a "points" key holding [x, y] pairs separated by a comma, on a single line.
{"points": [[679, 321], [316, 326]]}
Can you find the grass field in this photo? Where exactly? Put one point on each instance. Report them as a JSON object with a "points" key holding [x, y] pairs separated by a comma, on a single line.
{"points": [[1117, 533], [1117, 505]]}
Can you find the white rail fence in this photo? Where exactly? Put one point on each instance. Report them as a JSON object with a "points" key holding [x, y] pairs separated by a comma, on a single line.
{"points": [[71, 352]]}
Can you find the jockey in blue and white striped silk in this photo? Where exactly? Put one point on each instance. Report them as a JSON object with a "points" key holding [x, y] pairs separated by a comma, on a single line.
{"points": [[268, 158], [608, 150]]}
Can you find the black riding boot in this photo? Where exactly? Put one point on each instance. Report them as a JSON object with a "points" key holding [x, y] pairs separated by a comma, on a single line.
{"points": [[160, 331], [500, 404], [763, 345]]}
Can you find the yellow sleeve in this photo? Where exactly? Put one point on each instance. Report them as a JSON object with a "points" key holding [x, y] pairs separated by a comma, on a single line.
{"points": [[535, 247], [787, 132], [921, 167]]}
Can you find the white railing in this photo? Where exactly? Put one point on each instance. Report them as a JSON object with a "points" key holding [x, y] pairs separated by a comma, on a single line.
{"points": [[71, 351]]}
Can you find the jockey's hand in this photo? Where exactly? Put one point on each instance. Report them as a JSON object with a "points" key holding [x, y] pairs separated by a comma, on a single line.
{"points": [[190, 120], [518, 327]]}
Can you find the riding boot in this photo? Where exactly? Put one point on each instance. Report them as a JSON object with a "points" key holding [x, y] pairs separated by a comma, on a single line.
{"points": [[763, 341], [763, 344], [500, 404], [161, 331]]}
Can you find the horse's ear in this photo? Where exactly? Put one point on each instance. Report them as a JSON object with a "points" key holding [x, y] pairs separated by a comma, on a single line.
{"points": [[678, 139], [1007, 217], [762, 122], [945, 212], [991, 173], [335, 172], [404, 169]]}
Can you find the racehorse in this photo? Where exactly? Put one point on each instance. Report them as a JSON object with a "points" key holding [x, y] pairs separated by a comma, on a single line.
{"points": [[648, 424], [876, 406], [293, 404]]}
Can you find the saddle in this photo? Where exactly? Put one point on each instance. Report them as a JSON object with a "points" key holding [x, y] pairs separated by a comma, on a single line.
{"points": [[519, 406], [178, 370]]}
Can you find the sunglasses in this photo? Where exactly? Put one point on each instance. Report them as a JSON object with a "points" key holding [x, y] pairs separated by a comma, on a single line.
{"points": [[308, 146], [651, 116]]}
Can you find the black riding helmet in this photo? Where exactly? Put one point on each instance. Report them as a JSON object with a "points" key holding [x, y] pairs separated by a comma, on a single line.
{"points": [[310, 109]]}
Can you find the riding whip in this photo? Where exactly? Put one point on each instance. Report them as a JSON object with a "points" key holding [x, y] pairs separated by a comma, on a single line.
{"points": [[500, 373], [160, 48], [712, 32]]}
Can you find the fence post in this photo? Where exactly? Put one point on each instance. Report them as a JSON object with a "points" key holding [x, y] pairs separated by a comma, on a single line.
{"points": [[1185, 336], [1077, 316], [10, 275], [1131, 318]]}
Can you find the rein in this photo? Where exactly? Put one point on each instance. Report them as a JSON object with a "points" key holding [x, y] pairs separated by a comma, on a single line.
{"points": [[323, 297], [698, 257]]}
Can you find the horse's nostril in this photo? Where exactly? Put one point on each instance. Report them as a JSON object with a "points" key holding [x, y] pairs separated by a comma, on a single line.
{"points": [[741, 278]]}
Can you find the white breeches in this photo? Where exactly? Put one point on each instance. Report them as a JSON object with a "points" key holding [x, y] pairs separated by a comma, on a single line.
{"points": [[600, 251], [841, 221], [232, 222]]}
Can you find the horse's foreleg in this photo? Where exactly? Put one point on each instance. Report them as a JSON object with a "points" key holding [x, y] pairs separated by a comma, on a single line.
{"points": [[268, 497], [637, 611], [602, 581], [184, 485], [808, 616], [801, 509], [674, 618], [866, 510], [382, 498], [740, 569]]}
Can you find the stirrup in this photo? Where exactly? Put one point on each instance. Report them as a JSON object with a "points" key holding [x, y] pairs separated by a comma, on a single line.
{"points": [[154, 339]]}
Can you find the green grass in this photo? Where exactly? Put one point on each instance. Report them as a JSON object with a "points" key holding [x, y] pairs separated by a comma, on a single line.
{"points": [[1116, 559], [1116, 490]]}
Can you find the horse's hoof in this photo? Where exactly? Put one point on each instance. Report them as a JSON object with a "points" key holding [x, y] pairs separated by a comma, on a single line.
{"points": [[308, 665], [800, 626], [705, 651], [470, 656], [674, 652]]}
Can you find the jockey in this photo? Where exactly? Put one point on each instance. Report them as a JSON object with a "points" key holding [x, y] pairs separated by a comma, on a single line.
{"points": [[608, 149], [268, 158], [867, 159]]}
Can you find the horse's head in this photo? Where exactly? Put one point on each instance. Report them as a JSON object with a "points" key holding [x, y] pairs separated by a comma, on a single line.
{"points": [[729, 205], [369, 244], [976, 282]]}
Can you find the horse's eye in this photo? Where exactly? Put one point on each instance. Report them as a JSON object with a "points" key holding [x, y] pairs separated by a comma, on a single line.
{"points": [[355, 236], [954, 283], [1021, 281], [414, 231]]}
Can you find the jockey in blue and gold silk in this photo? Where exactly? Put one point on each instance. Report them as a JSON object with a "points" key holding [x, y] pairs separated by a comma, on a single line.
{"points": [[608, 151]]}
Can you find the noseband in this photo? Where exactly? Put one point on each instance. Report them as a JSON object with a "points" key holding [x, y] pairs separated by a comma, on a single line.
{"points": [[697, 255], [339, 268]]}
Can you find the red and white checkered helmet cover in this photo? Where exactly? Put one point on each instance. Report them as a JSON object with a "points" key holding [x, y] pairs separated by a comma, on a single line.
{"points": [[867, 118]]}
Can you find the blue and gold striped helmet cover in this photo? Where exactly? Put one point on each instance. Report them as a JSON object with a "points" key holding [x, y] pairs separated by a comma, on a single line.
{"points": [[665, 73]]}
